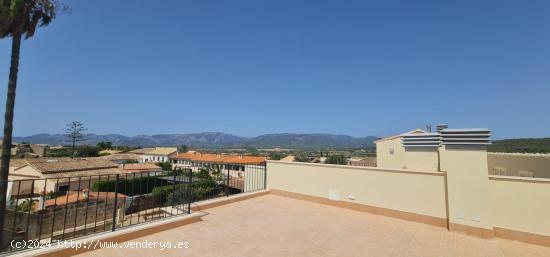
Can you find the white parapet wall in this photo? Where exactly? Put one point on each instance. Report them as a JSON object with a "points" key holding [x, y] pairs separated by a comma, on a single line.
{"points": [[402, 190], [520, 204], [465, 196], [468, 185]]}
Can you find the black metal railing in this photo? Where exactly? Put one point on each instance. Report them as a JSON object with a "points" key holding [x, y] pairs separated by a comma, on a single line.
{"points": [[59, 208]]}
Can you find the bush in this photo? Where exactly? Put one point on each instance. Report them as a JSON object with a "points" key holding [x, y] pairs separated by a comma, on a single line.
{"points": [[204, 173], [337, 159], [162, 193], [276, 156], [170, 194], [80, 151], [166, 166], [26, 205], [130, 187], [177, 197], [300, 157]]}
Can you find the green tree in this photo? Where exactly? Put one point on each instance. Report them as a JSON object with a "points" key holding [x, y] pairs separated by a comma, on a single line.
{"points": [[337, 159], [105, 145], [204, 173], [18, 19], [27, 205], [166, 166], [301, 157], [276, 156], [183, 149], [87, 151], [74, 133], [79, 151]]}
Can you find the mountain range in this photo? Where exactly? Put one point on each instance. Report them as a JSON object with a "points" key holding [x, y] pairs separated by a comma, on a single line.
{"points": [[215, 140]]}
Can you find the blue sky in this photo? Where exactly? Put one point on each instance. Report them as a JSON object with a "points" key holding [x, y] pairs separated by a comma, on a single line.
{"points": [[252, 67]]}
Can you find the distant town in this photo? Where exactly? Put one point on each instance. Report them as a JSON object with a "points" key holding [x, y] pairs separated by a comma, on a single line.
{"points": [[513, 157]]}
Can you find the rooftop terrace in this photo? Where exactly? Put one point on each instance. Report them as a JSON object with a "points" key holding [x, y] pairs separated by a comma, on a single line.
{"points": [[272, 225]]}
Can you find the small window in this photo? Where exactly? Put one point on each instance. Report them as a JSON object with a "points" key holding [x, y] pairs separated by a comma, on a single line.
{"points": [[63, 188]]}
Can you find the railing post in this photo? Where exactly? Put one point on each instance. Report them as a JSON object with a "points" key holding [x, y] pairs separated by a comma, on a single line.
{"points": [[190, 189], [265, 175], [174, 193], [227, 185], [116, 202]]}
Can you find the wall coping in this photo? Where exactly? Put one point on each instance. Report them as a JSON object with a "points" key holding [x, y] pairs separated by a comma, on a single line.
{"points": [[519, 179], [432, 173], [543, 155]]}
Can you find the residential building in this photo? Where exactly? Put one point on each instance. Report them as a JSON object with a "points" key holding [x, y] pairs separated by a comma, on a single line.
{"points": [[159, 154], [141, 168], [109, 152], [25, 150], [232, 167], [289, 158], [392, 154], [196, 160], [53, 175], [120, 158], [141, 152], [362, 161], [519, 164]]}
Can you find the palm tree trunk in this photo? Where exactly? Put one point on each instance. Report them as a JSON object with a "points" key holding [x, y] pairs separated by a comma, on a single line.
{"points": [[8, 128], [72, 149]]}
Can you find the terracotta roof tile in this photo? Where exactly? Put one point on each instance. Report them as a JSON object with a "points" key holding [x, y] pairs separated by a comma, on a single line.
{"points": [[74, 196], [55, 166], [135, 167], [163, 151], [219, 158], [121, 156]]}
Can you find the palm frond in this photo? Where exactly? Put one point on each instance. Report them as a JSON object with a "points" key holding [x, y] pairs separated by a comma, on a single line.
{"points": [[22, 17]]}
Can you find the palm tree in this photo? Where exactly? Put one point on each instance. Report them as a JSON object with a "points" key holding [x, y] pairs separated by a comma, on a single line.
{"points": [[18, 18]]}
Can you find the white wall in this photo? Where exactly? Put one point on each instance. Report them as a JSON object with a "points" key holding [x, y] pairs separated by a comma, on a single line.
{"points": [[468, 185], [390, 154], [149, 158], [415, 192], [521, 204]]}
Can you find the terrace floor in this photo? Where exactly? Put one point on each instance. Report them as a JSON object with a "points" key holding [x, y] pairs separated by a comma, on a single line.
{"points": [[277, 226]]}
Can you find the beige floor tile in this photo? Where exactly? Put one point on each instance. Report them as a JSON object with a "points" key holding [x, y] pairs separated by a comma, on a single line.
{"points": [[275, 226]]}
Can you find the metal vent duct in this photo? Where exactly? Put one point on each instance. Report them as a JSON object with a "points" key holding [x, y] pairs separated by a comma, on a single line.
{"points": [[421, 140], [476, 136]]}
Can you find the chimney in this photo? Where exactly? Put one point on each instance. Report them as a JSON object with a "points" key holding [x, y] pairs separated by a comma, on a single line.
{"points": [[240, 156], [441, 127]]}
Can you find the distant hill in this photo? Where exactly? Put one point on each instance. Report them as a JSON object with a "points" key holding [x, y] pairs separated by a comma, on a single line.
{"points": [[300, 141], [521, 145], [215, 140]]}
